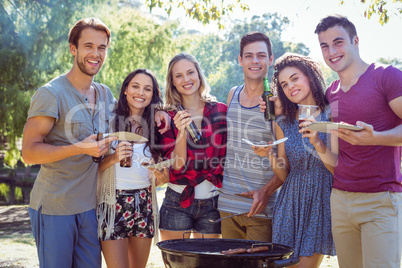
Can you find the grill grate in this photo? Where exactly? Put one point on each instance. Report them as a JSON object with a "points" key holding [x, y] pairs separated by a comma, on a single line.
{"points": [[215, 246]]}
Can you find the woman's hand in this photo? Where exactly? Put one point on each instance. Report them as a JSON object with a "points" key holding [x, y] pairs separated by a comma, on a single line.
{"points": [[124, 149], [310, 134], [181, 120], [162, 116], [162, 175]]}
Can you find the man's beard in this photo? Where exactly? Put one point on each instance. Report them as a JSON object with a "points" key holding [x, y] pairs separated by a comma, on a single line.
{"points": [[81, 66]]}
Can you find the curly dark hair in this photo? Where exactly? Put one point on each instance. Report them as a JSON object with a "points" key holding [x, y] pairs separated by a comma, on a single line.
{"points": [[309, 68], [122, 111]]}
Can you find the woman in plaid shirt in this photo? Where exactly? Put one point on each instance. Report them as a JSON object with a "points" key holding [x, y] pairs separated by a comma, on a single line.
{"points": [[191, 198]]}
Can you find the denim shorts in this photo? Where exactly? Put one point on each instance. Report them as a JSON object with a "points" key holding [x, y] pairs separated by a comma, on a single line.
{"points": [[193, 218]]}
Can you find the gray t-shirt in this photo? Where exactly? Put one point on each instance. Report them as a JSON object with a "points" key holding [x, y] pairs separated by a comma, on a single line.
{"points": [[68, 186], [244, 170]]}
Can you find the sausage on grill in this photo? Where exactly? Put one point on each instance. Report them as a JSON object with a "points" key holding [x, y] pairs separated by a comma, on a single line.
{"points": [[244, 250], [234, 251], [257, 249]]}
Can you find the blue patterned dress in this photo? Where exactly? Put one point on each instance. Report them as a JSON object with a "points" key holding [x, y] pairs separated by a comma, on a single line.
{"points": [[302, 216]]}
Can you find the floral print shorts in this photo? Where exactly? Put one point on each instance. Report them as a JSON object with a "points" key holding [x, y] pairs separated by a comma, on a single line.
{"points": [[133, 215]]}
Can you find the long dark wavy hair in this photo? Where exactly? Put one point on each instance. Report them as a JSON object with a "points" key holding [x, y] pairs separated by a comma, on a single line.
{"points": [[309, 68], [147, 121]]}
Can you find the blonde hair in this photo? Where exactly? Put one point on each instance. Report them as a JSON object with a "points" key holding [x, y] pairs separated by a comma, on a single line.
{"points": [[172, 95]]}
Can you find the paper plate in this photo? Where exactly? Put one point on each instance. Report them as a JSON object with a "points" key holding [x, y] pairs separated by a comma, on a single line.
{"points": [[127, 136], [263, 143], [328, 126], [159, 165]]}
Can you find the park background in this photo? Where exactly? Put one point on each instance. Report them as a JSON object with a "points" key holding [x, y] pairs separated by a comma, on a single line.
{"points": [[34, 50]]}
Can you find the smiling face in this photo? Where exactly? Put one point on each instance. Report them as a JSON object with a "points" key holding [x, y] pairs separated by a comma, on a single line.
{"points": [[139, 93], [91, 51], [338, 50], [255, 60], [185, 77], [296, 86]]}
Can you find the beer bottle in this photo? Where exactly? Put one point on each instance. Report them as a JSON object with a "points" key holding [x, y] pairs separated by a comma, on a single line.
{"points": [[192, 128], [99, 159], [126, 162], [269, 113]]}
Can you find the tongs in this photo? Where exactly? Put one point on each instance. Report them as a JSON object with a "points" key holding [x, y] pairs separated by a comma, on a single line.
{"points": [[227, 217], [242, 195]]}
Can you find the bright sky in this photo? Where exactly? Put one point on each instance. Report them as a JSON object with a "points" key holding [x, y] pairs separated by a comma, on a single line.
{"points": [[376, 41]]}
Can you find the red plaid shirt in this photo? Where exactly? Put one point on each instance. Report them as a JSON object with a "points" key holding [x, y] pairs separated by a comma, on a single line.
{"points": [[204, 159]]}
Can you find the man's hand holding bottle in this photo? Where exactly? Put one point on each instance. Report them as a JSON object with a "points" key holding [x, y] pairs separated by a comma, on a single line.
{"points": [[278, 105]]}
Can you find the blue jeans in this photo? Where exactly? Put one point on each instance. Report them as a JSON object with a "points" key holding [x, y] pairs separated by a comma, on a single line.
{"points": [[195, 217], [66, 240]]}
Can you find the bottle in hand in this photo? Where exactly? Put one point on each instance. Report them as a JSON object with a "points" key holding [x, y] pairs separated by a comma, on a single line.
{"points": [[99, 159], [126, 162], [269, 113], [192, 128]]}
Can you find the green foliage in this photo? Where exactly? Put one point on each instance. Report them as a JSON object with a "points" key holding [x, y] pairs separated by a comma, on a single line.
{"points": [[12, 156], [223, 57], [32, 52], [328, 74], [379, 8], [34, 49], [137, 42], [396, 62], [203, 11], [13, 109], [4, 192]]}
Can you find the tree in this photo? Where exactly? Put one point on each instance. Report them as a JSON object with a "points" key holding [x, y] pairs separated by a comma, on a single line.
{"points": [[379, 7], [396, 62], [221, 57], [34, 50], [31, 53], [201, 10], [137, 42], [206, 10], [329, 75]]}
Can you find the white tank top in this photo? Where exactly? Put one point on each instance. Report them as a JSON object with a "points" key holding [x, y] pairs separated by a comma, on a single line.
{"points": [[136, 176]]}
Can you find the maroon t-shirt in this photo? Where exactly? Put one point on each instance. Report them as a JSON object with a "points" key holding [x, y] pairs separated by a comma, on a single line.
{"points": [[368, 168]]}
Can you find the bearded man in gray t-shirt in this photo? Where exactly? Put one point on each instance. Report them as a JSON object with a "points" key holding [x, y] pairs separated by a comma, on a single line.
{"points": [[60, 134]]}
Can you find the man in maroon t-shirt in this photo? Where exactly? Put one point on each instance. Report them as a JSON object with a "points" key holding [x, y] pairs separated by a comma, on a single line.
{"points": [[366, 200]]}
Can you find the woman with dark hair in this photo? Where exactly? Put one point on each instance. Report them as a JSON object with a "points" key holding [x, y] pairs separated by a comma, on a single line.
{"points": [[302, 215], [126, 199], [191, 197]]}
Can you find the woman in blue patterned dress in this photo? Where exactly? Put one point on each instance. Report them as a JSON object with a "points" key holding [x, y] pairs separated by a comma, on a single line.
{"points": [[302, 218]]}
